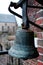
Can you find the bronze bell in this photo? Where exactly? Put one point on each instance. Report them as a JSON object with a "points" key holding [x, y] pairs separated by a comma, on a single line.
{"points": [[24, 47]]}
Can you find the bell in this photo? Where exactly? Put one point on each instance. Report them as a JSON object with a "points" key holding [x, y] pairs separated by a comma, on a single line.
{"points": [[24, 47], [40, 1]]}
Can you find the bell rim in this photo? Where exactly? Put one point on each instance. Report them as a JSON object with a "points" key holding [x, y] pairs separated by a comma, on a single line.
{"points": [[35, 55]]}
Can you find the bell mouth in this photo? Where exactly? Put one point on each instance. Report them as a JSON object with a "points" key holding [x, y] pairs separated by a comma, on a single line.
{"points": [[23, 54]]}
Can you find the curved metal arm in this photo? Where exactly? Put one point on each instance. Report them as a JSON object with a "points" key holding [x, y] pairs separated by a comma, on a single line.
{"points": [[14, 13]]}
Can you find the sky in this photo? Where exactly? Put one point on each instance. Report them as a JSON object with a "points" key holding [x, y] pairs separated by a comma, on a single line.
{"points": [[4, 4]]}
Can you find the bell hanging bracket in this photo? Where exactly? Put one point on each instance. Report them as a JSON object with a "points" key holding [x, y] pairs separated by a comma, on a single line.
{"points": [[24, 5]]}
